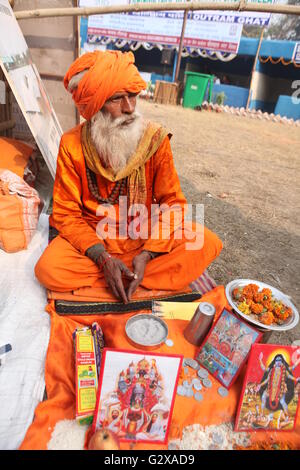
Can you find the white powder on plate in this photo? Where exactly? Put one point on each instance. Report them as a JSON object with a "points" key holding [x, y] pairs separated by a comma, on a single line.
{"points": [[146, 331]]}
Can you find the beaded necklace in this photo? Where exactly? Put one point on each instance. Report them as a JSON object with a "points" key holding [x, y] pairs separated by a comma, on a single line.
{"points": [[118, 190]]}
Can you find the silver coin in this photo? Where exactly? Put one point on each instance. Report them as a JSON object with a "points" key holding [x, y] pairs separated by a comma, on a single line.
{"points": [[207, 383], [223, 391], [186, 384], [198, 386], [193, 364], [202, 373], [186, 370], [196, 381], [169, 343], [181, 391], [189, 392], [189, 362], [198, 396]]}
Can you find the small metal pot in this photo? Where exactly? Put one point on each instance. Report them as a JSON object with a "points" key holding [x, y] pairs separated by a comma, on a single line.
{"points": [[200, 324]]}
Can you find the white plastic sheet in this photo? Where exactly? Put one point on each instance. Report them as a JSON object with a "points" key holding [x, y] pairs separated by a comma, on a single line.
{"points": [[26, 326]]}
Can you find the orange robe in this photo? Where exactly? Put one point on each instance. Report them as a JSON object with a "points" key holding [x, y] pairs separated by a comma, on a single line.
{"points": [[64, 266]]}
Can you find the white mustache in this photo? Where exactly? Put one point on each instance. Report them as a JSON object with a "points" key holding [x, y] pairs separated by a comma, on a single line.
{"points": [[118, 122]]}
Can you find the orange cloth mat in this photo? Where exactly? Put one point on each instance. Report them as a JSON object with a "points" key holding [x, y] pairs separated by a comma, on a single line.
{"points": [[60, 380]]}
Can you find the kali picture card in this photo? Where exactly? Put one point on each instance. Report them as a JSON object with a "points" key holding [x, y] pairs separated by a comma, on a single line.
{"points": [[226, 347], [136, 394], [270, 395]]}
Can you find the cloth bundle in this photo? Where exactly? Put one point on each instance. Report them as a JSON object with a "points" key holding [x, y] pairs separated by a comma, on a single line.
{"points": [[19, 212]]}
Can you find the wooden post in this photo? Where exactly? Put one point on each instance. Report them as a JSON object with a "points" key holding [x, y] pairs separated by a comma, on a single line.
{"points": [[254, 67], [180, 46]]}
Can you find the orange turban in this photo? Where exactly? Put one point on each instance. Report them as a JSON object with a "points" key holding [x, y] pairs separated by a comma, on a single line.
{"points": [[108, 72]]}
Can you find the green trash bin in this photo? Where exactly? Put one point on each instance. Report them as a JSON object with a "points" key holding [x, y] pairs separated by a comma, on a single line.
{"points": [[195, 89]]}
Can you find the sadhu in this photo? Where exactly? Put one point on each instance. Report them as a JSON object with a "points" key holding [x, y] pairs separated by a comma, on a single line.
{"points": [[117, 156]]}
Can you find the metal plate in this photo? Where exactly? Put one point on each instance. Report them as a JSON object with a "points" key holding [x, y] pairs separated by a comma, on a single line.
{"points": [[147, 344], [290, 323]]}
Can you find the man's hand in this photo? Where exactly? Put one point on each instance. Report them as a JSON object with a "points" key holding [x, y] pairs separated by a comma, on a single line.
{"points": [[139, 264], [113, 270]]}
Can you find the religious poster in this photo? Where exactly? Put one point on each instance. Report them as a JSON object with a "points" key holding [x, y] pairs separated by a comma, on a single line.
{"points": [[270, 395], [27, 87], [136, 394], [226, 347]]}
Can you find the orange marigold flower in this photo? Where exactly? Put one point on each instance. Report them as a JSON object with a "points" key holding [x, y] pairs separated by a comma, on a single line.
{"points": [[258, 298], [257, 308], [277, 311], [267, 318], [267, 292], [254, 288], [268, 305]]}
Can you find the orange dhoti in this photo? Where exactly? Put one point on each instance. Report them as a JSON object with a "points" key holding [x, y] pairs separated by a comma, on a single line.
{"points": [[62, 268]]}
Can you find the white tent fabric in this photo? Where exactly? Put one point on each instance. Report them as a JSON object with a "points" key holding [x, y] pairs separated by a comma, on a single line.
{"points": [[26, 326]]}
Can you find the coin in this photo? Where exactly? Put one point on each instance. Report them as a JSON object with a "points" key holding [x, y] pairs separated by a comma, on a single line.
{"points": [[196, 381], [198, 396], [186, 384], [202, 373], [186, 370], [197, 386], [223, 391], [189, 392], [207, 383], [193, 364], [169, 343], [181, 391]]}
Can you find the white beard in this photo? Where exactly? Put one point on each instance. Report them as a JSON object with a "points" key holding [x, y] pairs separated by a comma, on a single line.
{"points": [[115, 140]]}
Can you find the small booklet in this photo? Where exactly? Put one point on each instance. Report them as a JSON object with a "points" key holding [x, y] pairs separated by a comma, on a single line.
{"points": [[174, 310]]}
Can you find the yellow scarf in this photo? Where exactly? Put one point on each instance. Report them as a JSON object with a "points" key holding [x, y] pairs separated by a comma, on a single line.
{"points": [[135, 169]]}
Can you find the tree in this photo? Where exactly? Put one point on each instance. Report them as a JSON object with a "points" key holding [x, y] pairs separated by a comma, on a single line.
{"points": [[280, 27], [285, 26]]}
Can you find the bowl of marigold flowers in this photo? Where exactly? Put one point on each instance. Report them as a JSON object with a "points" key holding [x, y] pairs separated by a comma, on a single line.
{"points": [[262, 305]]}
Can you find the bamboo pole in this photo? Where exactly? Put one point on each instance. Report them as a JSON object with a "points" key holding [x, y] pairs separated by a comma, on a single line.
{"points": [[190, 6], [254, 66], [180, 46]]}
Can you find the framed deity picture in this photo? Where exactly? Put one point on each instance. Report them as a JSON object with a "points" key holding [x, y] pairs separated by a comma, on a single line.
{"points": [[136, 394], [226, 347], [270, 395]]}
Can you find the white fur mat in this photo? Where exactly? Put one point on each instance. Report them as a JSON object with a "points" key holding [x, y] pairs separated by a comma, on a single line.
{"points": [[67, 435], [26, 326]]}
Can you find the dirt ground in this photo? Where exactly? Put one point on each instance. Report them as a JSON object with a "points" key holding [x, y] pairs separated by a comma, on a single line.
{"points": [[246, 173]]}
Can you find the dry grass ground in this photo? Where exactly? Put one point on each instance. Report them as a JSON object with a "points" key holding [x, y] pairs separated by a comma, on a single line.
{"points": [[246, 173]]}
